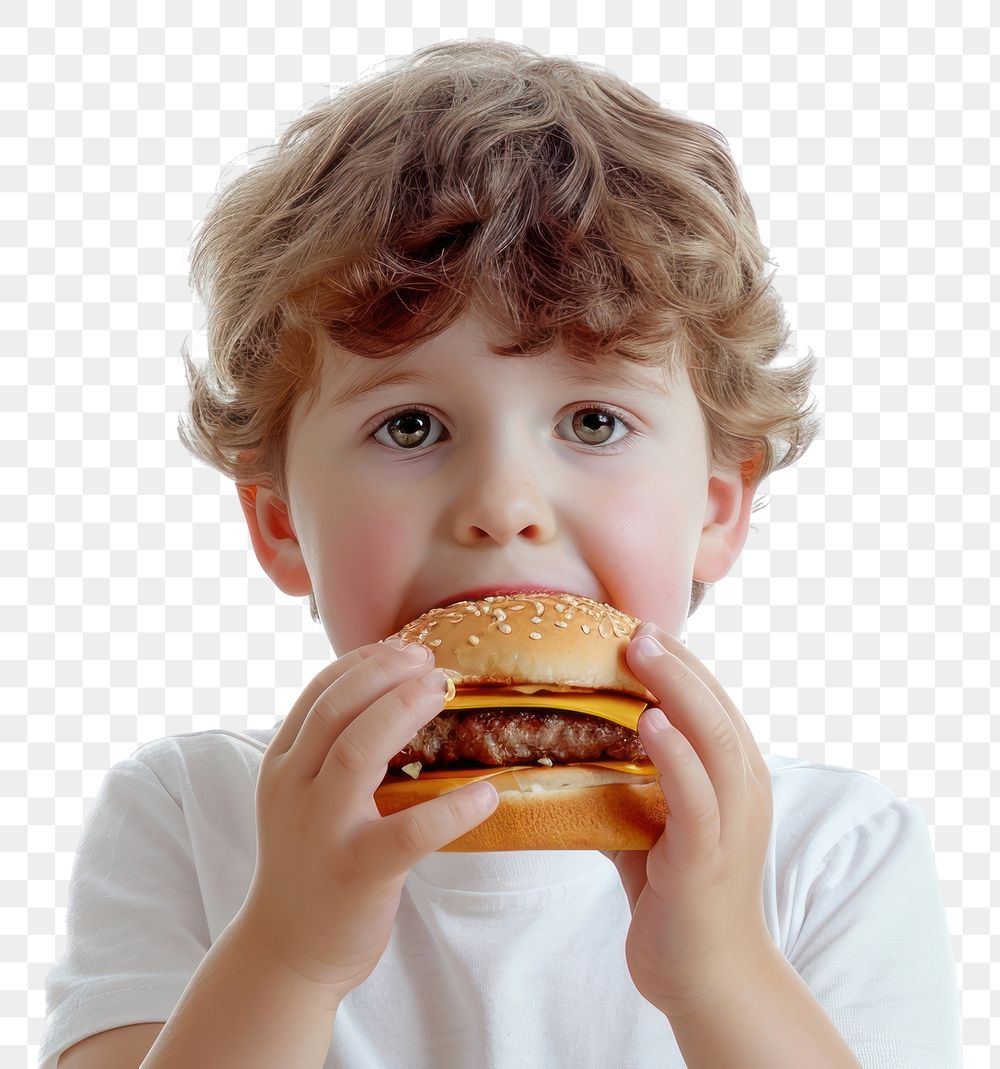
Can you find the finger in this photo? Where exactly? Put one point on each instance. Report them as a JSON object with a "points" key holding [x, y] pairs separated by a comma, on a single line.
{"points": [[705, 727], [391, 846], [694, 820], [359, 757], [281, 741], [375, 673], [751, 751], [283, 738]]}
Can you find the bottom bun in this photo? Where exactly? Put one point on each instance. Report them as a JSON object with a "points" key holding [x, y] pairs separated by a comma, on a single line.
{"points": [[565, 807]]}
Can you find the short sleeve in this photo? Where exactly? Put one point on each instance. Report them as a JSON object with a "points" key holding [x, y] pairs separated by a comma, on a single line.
{"points": [[135, 922], [874, 947]]}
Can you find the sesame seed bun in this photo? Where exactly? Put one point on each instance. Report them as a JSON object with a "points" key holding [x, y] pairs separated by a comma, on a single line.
{"points": [[569, 645]]}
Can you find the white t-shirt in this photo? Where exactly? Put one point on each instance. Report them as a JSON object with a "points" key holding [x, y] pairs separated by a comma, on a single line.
{"points": [[503, 959]]}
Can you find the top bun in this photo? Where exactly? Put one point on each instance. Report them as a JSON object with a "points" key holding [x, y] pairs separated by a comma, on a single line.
{"points": [[564, 641]]}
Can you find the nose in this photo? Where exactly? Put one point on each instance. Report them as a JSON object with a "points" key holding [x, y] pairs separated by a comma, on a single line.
{"points": [[503, 494]]}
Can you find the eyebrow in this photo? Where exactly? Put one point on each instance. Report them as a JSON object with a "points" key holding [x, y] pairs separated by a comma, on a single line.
{"points": [[602, 375]]}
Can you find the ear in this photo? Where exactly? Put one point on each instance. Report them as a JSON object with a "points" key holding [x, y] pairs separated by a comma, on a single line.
{"points": [[274, 539], [727, 519]]}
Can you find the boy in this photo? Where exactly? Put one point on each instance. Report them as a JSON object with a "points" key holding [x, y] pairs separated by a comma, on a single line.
{"points": [[567, 286]]}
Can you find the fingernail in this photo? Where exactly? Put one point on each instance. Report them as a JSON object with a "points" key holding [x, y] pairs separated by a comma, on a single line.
{"points": [[646, 629], [483, 795], [416, 652], [436, 682], [655, 720], [647, 646]]}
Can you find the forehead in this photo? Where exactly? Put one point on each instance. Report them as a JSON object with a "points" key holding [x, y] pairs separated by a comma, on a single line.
{"points": [[348, 377]]}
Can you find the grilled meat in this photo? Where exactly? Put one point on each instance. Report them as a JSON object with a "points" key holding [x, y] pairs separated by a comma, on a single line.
{"points": [[496, 737]]}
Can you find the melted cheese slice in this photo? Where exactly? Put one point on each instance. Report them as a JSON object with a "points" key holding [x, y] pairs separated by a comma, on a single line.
{"points": [[623, 709], [507, 778]]}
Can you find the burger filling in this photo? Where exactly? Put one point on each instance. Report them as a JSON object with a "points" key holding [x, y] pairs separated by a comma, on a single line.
{"points": [[497, 737]]}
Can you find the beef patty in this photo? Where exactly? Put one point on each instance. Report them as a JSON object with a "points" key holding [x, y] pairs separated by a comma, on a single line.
{"points": [[518, 737]]}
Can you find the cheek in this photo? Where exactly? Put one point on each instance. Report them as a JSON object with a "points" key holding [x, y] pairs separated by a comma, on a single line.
{"points": [[366, 565], [381, 544], [647, 547]]}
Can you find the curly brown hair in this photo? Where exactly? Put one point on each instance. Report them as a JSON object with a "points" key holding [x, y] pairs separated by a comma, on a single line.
{"points": [[545, 193]]}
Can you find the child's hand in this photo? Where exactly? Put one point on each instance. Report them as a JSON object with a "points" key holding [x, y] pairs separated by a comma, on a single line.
{"points": [[698, 929], [330, 869]]}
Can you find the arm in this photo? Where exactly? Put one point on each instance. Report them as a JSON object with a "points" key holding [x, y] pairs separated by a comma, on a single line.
{"points": [[771, 1023], [698, 947], [244, 1008]]}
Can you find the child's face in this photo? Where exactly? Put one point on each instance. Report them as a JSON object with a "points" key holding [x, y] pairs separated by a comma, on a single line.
{"points": [[500, 475]]}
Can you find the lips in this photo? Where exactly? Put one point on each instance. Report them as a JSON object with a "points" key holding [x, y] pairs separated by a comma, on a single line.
{"points": [[484, 591]]}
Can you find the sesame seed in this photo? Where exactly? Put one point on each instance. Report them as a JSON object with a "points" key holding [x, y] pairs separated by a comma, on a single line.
{"points": [[536, 619], [535, 635], [473, 640], [505, 628], [561, 623], [585, 628]]}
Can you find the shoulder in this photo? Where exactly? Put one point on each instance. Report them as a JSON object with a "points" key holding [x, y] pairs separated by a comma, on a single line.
{"points": [[225, 763], [845, 850], [213, 747], [817, 807], [189, 798]]}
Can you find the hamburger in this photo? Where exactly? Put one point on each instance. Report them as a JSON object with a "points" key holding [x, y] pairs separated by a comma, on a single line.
{"points": [[545, 708]]}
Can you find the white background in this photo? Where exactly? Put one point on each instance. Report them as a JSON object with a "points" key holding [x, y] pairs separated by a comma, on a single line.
{"points": [[857, 627]]}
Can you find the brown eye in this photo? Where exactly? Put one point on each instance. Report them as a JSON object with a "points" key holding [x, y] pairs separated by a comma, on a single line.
{"points": [[408, 429], [594, 426]]}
